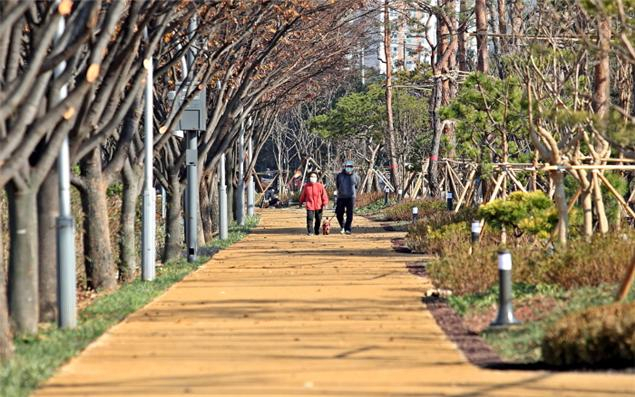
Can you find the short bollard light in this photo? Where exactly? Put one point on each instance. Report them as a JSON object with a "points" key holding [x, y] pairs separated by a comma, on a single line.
{"points": [[386, 191], [505, 315], [400, 194], [450, 199], [415, 215], [476, 232]]}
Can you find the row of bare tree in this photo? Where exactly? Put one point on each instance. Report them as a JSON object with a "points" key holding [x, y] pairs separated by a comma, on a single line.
{"points": [[255, 59]]}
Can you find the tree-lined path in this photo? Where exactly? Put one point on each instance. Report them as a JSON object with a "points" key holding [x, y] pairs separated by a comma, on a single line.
{"points": [[281, 313]]}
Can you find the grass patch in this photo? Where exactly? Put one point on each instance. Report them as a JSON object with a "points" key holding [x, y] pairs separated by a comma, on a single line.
{"points": [[523, 343], [462, 304], [38, 356], [373, 208]]}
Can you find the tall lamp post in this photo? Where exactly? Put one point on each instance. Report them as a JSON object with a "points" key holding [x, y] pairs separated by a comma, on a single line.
{"points": [[65, 225], [149, 194]]}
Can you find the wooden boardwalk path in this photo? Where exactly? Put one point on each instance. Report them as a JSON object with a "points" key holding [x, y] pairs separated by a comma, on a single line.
{"points": [[284, 314]]}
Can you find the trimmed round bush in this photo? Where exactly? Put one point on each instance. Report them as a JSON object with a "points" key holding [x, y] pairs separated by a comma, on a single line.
{"points": [[602, 336]]}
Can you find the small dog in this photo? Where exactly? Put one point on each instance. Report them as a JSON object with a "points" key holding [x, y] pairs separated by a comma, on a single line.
{"points": [[326, 226]]}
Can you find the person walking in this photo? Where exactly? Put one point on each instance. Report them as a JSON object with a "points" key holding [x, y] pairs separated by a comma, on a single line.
{"points": [[346, 184], [316, 199]]}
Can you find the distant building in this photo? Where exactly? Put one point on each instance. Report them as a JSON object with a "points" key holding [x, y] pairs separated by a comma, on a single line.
{"points": [[408, 41], [408, 44]]}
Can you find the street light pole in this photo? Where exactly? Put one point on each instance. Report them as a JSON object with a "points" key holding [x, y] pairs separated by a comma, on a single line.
{"points": [[149, 194], [192, 194], [191, 159], [65, 225]]}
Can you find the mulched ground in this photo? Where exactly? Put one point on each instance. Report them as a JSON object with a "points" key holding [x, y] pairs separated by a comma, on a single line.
{"points": [[474, 348], [471, 344], [526, 310]]}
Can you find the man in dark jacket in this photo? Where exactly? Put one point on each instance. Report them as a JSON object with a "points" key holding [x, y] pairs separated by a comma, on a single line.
{"points": [[346, 184]]}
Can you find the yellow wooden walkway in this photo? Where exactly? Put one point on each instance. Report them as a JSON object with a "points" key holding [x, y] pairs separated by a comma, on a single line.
{"points": [[284, 314]]}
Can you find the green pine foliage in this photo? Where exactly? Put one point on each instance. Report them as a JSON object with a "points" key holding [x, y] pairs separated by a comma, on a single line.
{"points": [[476, 127], [361, 115]]}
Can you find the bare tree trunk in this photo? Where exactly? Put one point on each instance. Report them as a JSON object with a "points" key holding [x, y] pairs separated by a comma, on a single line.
{"points": [[129, 260], [201, 233], [390, 128], [48, 211], [560, 199], [280, 169], [633, 90], [480, 9], [214, 203], [23, 264], [603, 222], [601, 101], [502, 25], [433, 165], [229, 180], [586, 198], [6, 340], [602, 82], [100, 266], [462, 52], [174, 231], [587, 207], [206, 194], [517, 9], [449, 85]]}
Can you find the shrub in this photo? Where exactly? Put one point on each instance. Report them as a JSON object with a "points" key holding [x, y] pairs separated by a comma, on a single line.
{"points": [[403, 211], [602, 260], [533, 213], [439, 232], [463, 273], [476, 273], [424, 238], [600, 336], [365, 199]]}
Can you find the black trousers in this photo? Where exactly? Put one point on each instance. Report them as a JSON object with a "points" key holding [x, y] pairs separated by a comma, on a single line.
{"points": [[345, 205], [312, 227]]}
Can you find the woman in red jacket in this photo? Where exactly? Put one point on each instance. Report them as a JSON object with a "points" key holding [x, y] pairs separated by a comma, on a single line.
{"points": [[315, 197]]}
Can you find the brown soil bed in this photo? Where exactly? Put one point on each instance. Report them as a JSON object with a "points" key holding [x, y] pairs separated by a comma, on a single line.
{"points": [[465, 334], [471, 344]]}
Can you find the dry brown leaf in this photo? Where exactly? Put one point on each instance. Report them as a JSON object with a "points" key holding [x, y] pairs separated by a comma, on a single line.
{"points": [[93, 72], [65, 7], [69, 113]]}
